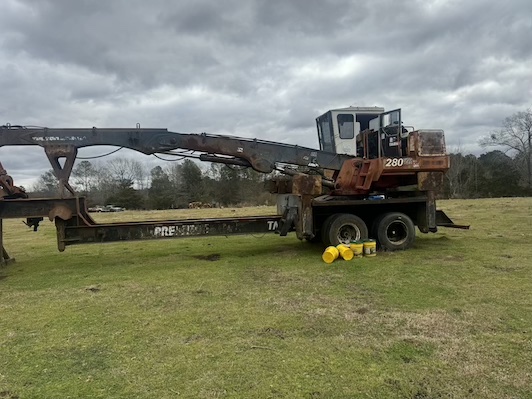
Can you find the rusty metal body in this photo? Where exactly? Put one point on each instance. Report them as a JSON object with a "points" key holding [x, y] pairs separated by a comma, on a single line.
{"points": [[405, 166], [419, 160], [8, 188]]}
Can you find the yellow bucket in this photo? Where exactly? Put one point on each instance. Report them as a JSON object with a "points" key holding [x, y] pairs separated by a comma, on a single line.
{"points": [[370, 248], [358, 248], [330, 254], [345, 251]]}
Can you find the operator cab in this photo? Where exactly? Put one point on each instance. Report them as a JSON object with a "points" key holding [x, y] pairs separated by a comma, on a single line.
{"points": [[366, 132], [339, 128]]}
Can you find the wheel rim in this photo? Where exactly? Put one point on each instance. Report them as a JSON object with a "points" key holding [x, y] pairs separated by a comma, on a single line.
{"points": [[397, 232], [348, 233]]}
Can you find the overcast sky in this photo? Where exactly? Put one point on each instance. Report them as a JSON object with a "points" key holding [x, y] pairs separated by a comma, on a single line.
{"points": [[260, 68]]}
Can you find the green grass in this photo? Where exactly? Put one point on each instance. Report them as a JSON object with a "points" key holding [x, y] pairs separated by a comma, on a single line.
{"points": [[264, 317]]}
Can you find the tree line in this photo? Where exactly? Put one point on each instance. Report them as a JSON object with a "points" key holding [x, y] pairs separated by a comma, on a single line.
{"points": [[125, 182], [493, 174], [498, 173]]}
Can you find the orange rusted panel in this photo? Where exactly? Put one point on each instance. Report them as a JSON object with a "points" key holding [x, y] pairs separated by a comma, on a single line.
{"points": [[306, 184]]}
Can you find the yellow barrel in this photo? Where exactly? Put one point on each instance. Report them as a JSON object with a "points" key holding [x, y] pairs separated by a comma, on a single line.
{"points": [[330, 254], [370, 248], [345, 251], [358, 248]]}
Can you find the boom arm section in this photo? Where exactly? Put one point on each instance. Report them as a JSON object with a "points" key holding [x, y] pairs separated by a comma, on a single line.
{"points": [[261, 155]]}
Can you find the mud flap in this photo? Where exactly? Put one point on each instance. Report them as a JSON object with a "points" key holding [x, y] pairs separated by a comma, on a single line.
{"points": [[443, 220]]}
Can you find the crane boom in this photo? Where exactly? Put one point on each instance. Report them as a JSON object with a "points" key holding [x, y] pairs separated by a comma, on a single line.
{"points": [[261, 155]]}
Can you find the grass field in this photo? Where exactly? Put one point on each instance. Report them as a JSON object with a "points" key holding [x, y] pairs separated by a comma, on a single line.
{"points": [[264, 317]]}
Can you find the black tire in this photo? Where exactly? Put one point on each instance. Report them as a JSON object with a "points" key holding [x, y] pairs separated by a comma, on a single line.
{"points": [[324, 231], [374, 230], [343, 228], [395, 231]]}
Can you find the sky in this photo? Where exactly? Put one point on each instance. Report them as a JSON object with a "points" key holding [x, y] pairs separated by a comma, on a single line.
{"points": [[259, 68]]}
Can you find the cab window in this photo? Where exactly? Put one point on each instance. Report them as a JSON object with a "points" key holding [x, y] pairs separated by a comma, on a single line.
{"points": [[325, 134], [346, 126]]}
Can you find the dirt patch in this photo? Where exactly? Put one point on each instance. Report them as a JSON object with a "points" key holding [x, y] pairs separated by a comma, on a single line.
{"points": [[210, 258], [453, 258], [1, 278], [201, 292], [502, 268], [93, 288], [272, 332]]}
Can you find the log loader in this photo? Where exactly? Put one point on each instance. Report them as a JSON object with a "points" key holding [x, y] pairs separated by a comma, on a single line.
{"points": [[372, 176]]}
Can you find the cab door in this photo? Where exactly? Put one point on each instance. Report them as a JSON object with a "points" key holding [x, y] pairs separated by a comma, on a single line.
{"points": [[326, 132], [345, 129]]}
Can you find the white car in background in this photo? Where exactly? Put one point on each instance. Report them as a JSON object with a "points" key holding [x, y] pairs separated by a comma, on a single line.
{"points": [[114, 208]]}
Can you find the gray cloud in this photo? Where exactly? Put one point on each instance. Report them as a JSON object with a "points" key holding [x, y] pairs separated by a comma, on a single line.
{"points": [[260, 68]]}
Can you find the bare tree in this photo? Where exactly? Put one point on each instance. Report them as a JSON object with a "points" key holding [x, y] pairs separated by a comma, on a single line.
{"points": [[125, 169], [85, 176], [47, 185], [461, 178], [515, 137]]}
